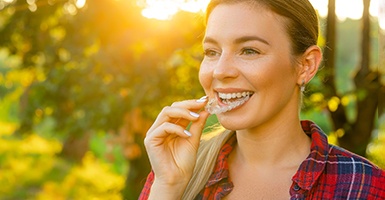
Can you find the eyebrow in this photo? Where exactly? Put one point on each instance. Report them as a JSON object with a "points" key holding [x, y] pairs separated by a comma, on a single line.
{"points": [[238, 40]]}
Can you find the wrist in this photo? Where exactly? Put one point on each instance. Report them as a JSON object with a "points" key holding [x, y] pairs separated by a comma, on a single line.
{"points": [[160, 190]]}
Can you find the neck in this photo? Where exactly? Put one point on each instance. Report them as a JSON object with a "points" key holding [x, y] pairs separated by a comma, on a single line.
{"points": [[279, 144]]}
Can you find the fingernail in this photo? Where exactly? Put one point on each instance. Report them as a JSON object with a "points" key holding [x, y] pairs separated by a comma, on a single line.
{"points": [[196, 115], [187, 133], [202, 99]]}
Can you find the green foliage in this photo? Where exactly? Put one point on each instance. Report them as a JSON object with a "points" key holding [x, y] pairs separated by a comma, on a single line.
{"points": [[92, 180], [35, 153], [93, 65], [67, 71], [348, 60], [102, 147], [31, 169], [376, 149]]}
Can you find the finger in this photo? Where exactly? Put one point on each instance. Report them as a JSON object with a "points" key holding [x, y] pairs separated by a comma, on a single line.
{"points": [[181, 112], [197, 127], [196, 104], [157, 137], [175, 115]]}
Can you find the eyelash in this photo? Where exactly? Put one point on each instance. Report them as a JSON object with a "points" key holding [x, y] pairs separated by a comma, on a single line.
{"points": [[249, 51], [210, 53], [244, 51]]}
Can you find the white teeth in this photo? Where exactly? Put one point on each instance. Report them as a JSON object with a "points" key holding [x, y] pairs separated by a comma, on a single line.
{"points": [[233, 95], [213, 106], [232, 100]]}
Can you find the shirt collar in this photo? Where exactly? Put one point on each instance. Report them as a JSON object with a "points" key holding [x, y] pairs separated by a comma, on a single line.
{"points": [[221, 170], [312, 167]]}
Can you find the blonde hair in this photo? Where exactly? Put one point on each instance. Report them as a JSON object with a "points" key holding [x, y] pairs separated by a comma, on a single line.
{"points": [[206, 159], [302, 28]]}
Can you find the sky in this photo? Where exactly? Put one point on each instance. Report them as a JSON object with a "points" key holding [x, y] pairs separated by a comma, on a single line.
{"points": [[165, 9]]}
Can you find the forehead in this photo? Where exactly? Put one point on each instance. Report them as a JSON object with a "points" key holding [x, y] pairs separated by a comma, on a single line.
{"points": [[239, 19]]}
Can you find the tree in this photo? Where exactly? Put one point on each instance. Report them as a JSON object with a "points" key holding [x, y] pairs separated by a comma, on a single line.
{"points": [[381, 98], [95, 65], [354, 135]]}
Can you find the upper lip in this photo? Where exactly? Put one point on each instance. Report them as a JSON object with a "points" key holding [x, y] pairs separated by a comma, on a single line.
{"points": [[230, 90]]}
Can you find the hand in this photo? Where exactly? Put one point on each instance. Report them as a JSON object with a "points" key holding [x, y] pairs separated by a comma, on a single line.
{"points": [[171, 148]]}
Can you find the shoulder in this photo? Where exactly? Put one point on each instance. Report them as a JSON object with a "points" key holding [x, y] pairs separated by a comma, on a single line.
{"points": [[348, 162], [336, 160], [354, 173]]}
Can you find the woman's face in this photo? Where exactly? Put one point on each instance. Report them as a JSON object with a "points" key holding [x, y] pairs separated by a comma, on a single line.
{"points": [[247, 54]]}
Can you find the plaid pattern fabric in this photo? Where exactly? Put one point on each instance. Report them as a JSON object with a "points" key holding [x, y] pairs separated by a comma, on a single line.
{"points": [[329, 172], [147, 187]]}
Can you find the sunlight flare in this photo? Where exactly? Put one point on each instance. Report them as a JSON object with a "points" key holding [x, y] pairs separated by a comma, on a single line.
{"points": [[165, 9], [80, 3], [381, 14], [346, 9], [161, 10]]}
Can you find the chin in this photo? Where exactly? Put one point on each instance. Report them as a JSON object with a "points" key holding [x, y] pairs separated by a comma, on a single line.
{"points": [[232, 122]]}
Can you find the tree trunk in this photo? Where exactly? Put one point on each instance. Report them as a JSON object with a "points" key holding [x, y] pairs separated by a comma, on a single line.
{"points": [[338, 116], [367, 85], [381, 68], [133, 131], [76, 146], [357, 134], [136, 177]]}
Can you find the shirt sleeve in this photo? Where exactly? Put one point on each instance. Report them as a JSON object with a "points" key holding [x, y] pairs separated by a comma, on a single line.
{"points": [[377, 189], [147, 187]]}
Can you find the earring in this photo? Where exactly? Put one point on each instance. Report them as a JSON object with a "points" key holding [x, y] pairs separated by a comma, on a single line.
{"points": [[303, 86]]}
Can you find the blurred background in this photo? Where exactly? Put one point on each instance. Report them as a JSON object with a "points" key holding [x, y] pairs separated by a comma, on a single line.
{"points": [[82, 81]]}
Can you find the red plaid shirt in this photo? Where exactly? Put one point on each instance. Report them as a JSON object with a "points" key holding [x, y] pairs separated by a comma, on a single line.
{"points": [[329, 172]]}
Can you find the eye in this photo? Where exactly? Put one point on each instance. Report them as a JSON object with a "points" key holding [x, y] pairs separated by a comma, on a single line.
{"points": [[249, 51], [211, 53]]}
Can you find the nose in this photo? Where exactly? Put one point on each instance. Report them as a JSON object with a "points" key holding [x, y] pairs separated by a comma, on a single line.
{"points": [[225, 68]]}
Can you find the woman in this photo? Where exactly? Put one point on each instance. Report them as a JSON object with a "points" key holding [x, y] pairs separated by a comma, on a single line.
{"points": [[259, 54]]}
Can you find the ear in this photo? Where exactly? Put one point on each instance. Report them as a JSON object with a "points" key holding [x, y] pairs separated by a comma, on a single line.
{"points": [[309, 63]]}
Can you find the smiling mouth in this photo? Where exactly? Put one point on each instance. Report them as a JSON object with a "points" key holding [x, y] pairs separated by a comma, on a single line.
{"points": [[227, 102]]}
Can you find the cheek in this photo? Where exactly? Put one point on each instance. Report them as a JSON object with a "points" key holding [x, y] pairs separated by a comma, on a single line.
{"points": [[205, 77]]}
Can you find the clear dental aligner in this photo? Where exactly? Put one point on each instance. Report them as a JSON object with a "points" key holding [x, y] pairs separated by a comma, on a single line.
{"points": [[213, 106]]}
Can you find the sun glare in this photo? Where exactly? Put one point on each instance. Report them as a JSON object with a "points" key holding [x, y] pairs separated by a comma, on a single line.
{"points": [[381, 14], [165, 9], [346, 9], [80, 3], [351, 10]]}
